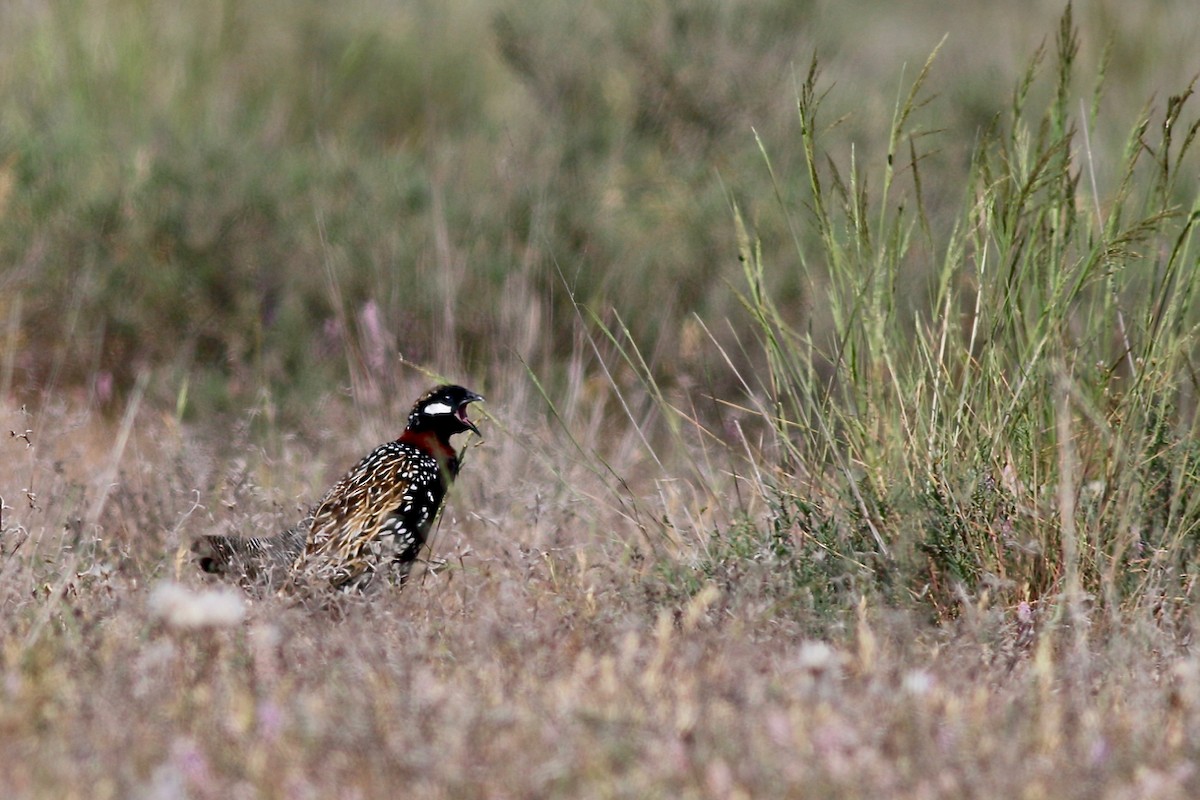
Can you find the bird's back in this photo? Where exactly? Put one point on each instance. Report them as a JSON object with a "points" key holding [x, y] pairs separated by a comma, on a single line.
{"points": [[376, 518]]}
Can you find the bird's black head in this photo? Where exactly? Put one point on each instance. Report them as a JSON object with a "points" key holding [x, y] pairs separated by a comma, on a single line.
{"points": [[444, 411]]}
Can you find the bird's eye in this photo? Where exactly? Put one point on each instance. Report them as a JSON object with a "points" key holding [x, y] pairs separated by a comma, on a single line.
{"points": [[438, 408]]}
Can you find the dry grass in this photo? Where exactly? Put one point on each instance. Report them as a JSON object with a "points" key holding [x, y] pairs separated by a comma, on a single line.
{"points": [[549, 657]]}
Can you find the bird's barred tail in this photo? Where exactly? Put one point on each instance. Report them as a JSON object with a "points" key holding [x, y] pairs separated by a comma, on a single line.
{"points": [[255, 558]]}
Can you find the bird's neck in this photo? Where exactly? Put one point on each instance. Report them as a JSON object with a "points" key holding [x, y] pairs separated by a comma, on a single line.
{"points": [[437, 446]]}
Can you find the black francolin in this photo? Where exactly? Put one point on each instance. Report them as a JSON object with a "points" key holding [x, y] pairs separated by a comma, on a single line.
{"points": [[374, 521]]}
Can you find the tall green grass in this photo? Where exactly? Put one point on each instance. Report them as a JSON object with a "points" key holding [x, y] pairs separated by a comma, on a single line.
{"points": [[1024, 426]]}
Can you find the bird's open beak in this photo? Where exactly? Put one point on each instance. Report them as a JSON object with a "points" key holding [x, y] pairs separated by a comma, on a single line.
{"points": [[462, 412]]}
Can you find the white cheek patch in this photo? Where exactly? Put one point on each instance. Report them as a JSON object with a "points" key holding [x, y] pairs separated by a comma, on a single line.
{"points": [[438, 408]]}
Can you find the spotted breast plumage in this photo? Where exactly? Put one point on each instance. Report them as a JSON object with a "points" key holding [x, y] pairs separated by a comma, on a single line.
{"points": [[375, 520]]}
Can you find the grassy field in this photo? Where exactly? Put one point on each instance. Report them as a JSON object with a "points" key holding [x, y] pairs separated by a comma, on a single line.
{"points": [[842, 379]]}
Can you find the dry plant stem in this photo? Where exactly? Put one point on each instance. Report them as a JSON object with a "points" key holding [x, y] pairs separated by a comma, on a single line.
{"points": [[1074, 615]]}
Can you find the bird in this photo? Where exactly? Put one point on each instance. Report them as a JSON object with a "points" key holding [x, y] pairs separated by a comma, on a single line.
{"points": [[372, 523]]}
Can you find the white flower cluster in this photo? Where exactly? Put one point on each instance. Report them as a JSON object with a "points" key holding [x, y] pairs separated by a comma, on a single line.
{"points": [[187, 609]]}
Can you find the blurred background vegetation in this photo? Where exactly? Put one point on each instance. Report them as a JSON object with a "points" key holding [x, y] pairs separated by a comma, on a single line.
{"points": [[255, 199]]}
